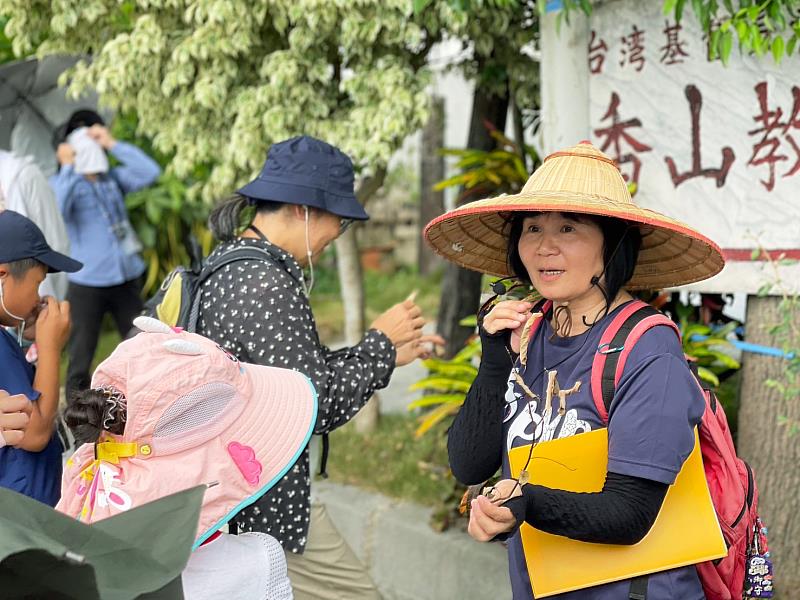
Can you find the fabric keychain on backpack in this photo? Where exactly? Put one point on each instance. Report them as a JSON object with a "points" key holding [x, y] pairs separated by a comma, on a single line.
{"points": [[758, 576]]}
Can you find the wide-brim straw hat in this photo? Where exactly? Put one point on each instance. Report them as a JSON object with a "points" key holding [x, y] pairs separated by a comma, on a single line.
{"points": [[583, 180]]}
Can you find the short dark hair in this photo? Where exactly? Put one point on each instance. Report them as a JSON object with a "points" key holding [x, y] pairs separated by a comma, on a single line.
{"points": [[621, 244], [84, 117], [18, 268]]}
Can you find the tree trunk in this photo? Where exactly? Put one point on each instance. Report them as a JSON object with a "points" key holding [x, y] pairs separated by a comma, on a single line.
{"points": [[351, 279], [461, 289], [519, 134], [431, 202], [769, 447]]}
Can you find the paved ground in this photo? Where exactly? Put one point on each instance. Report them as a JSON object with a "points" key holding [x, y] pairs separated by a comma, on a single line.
{"points": [[406, 558], [395, 397]]}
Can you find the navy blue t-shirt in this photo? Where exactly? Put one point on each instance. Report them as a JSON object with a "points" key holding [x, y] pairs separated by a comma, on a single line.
{"points": [[656, 406], [35, 474]]}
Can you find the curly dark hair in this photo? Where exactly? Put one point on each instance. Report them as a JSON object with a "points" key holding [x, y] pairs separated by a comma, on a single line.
{"points": [[90, 413]]}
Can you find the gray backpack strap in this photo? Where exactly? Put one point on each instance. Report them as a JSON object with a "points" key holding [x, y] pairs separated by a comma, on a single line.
{"points": [[212, 266]]}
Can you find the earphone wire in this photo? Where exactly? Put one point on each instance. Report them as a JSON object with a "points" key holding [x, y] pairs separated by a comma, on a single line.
{"points": [[21, 327], [307, 287]]}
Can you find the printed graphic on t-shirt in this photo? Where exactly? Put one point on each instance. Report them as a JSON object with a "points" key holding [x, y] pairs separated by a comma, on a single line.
{"points": [[528, 426]]}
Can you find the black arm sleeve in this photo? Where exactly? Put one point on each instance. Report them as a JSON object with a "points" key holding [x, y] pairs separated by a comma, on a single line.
{"points": [[621, 513], [475, 439]]}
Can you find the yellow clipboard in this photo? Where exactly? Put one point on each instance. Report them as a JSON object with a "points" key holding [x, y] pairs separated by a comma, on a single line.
{"points": [[686, 530]]}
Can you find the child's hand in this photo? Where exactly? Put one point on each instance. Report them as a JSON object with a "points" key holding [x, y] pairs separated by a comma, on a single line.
{"points": [[15, 412], [52, 326]]}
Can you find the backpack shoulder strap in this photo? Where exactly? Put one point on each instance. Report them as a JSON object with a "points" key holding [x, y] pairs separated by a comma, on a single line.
{"points": [[212, 266], [615, 346], [232, 255]]}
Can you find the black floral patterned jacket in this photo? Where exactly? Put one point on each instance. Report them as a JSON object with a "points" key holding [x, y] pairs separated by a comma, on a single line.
{"points": [[258, 310]]}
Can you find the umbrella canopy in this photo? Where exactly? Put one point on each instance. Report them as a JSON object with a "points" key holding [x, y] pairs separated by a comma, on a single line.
{"points": [[138, 554], [33, 106]]}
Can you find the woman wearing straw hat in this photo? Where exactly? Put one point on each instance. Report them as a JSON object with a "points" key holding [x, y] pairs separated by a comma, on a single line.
{"points": [[575, 234]]}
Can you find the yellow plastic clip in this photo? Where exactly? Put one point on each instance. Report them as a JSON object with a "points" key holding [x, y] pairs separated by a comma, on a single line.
{"points": [[113, 451]]}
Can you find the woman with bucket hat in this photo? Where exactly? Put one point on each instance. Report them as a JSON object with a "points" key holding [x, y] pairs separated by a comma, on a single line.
{"points": [[170, 410], [259, 311], [575, 234]]}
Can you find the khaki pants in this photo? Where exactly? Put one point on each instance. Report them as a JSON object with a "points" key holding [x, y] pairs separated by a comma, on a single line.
{"points": [[328, 569]]}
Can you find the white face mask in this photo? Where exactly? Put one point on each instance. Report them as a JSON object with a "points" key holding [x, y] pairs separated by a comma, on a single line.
{"points": [[90, 158]]}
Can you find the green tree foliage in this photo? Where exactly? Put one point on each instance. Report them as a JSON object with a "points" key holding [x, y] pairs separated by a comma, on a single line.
{"points": [[214, 83], [503, 170], [6, 51]]}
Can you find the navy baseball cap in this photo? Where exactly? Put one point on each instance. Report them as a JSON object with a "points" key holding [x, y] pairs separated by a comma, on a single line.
{"points": [[20, 238], [307, 171]]}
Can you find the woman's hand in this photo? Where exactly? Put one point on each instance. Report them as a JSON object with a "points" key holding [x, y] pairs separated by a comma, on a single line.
{"points": [[508, 314], [402, 323], [421, 348], [487, 520]]}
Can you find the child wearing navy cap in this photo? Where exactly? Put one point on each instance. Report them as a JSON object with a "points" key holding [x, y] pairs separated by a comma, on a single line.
{"points": [[33, 465]]}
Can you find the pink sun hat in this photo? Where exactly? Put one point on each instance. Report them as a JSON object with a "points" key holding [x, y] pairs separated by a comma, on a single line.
{"points": [[195, 415]]}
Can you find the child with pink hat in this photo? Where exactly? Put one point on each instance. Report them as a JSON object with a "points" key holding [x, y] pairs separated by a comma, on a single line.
{"points": [[169, 410]]}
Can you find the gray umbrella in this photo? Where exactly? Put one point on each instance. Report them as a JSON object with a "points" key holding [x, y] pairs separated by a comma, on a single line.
{"points": [[33, 106]]}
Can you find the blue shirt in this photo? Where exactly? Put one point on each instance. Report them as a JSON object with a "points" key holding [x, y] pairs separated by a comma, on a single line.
{"points": [[35, 474], [92, 209], [656, 407]]}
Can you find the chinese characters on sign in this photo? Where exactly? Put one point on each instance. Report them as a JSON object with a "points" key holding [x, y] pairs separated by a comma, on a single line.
{"points": [[674, 50], [597, 54], [695, 104], [632, 49], [775, 143], [768, 150], [615, 134], [717, 147]]}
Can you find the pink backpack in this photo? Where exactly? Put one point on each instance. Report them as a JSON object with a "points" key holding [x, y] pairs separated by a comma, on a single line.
{"points": [[730, 479]]}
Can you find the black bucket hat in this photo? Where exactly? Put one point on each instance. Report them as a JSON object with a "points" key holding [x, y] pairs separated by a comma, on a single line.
{"points": [[307, 171]]}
